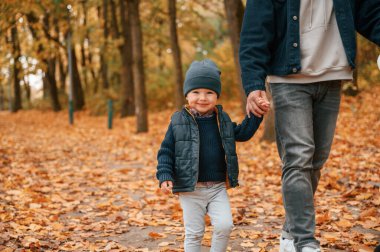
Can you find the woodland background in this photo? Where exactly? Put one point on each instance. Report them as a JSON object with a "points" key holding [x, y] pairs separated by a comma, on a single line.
{"points": [[83, 187], [134, 52]]}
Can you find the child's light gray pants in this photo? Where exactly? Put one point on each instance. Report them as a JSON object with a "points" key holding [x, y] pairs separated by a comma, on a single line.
{"points": [[213, 200]]}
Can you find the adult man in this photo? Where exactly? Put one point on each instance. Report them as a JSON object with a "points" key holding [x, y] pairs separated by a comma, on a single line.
{"points": [[305, 48]]}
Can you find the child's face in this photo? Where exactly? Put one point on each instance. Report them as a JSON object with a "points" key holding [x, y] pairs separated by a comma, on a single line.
{"points": [[202, 99]]}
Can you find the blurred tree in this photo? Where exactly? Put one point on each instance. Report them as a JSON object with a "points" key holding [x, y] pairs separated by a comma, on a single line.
{"points": [[235, 12], [27, 88], [127, 89], [91, 42], [176, 52], [49, 77], [78, 94], [16, 54], [33, 22], [138, 66], [62, 70], [46, 53], [104, 49], [2, 96], [84, 37], [116, 46], [79, 99]]}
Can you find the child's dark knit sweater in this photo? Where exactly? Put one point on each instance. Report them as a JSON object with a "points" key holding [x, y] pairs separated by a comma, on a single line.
{"points": [[212, 165]]}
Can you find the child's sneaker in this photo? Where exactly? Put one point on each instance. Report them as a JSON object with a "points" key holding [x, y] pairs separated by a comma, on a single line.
{"points": [[286, 242], [310, 249]]}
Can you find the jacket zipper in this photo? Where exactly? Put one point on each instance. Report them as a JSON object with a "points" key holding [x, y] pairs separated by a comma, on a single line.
{"points": [[188, 111], [225, 159]]}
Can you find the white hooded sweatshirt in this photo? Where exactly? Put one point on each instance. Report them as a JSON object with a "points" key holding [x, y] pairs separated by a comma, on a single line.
{"points": [[322, 53]]}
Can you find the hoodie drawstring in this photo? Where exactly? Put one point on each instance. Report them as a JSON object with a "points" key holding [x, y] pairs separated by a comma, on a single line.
{"points": [[311, 14], [324, 15]]}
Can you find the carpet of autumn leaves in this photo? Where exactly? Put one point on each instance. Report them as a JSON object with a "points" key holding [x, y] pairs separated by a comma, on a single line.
{"points": [[87, 188]]}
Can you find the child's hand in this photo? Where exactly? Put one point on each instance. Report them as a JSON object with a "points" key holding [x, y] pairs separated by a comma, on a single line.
{"points": [[166, 187], [253, 103], [263, 103]]}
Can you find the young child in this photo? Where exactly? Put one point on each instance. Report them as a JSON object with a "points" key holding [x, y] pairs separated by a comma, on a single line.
{"points": [[197, 159]]}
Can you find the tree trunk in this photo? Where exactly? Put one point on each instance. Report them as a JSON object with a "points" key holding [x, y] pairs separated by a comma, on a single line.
{"points": [[45, 89], [61, 67], [114, 23], [83, 65], [78, 95], [104, 66], [45, 82], [235, 12], [50, 81], [16, 51], [93, 73], [2, 99], [115, 35], [269, 130], [178, 90], [83, 49], [62, 73], [138, 66], [27, 89], [89, 66], [53, 90], [127, 89]]}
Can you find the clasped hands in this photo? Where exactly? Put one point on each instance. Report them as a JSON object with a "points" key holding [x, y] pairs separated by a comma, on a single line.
{"points": [[257, 103]]}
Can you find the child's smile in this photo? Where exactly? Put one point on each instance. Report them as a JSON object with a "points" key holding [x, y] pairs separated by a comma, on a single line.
{"points": [[201, 99]]}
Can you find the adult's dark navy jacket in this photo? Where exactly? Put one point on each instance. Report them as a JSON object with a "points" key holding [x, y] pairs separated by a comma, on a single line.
{"points": [[270, 27], [180, 152]]}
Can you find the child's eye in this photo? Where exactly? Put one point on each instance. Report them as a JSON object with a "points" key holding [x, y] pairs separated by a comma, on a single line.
{"points": [[210, 92], [195, 92]]}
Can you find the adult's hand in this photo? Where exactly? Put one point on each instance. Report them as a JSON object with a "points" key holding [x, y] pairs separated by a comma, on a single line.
{"points": [[257, 103]]}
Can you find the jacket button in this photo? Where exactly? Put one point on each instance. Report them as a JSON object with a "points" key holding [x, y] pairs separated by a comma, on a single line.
{"points": [[295, 45], [294, 70], [295, 18]]}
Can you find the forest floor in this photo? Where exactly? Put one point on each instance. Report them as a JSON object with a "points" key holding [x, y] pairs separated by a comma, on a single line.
{"points": [[87, 188]]}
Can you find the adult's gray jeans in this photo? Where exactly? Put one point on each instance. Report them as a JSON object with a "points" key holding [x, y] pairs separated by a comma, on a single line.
{"points": [[305, 120]]}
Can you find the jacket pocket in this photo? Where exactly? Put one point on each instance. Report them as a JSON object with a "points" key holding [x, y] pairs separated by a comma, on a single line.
{"points": [[183, 171]]}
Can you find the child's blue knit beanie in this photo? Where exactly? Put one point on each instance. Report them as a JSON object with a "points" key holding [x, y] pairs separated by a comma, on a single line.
{"points": [[202, 74]]}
